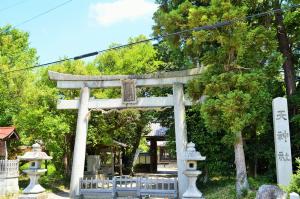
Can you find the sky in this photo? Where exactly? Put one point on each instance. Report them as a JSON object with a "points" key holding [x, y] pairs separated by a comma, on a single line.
{"points": [[79, 26]]}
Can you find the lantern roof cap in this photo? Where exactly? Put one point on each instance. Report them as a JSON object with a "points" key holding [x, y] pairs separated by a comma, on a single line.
{"points": [[35, 154], [191, 154]]}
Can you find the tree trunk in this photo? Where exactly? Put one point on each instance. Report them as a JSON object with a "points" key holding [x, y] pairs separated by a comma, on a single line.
{"points": [[285, 49], [69, 152], [66, 164], [135, 146], [128, 158], [241, 172]]}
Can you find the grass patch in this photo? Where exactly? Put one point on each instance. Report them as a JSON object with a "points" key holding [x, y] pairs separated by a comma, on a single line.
{"points": [[52, 183], [224, 187]]}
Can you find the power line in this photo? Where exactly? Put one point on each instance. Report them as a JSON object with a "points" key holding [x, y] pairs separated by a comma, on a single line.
{"points": [[12, 5], [37, 16], [206, 27], [42, 13]]}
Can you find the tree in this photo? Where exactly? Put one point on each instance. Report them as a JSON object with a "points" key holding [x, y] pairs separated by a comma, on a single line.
{"points": [[238, 59], [137, 59], [15, 53], [39, 120], [286, 25], [286, 50]]}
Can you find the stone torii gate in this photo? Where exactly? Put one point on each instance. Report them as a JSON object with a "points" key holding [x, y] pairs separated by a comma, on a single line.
{"points": [[128, 83]]}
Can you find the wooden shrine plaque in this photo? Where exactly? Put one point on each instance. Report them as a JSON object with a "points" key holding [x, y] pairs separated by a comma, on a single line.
{"points": [[129, 91]]}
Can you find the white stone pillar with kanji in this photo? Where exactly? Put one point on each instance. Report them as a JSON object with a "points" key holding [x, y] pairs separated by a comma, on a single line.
{"points": [[282, 141]]}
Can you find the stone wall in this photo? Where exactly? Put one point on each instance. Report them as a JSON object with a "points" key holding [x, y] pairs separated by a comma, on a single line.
{"points": [[9, 186]]}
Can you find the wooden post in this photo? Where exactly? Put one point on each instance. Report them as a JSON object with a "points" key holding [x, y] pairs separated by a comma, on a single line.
{"points": [[6, 153], [120, 162], [112, 161], [153, 156]]}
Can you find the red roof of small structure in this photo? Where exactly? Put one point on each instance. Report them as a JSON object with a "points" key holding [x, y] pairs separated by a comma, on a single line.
{"points": [[7, 133]]}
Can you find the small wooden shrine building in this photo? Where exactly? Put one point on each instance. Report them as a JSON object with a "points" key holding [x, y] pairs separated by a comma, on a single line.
{"points": [[6, 134], [156, 134], [157, 141], [105, 160]]}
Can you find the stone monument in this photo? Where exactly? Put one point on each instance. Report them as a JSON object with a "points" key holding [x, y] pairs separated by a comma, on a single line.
{"points": [[282, 141], [35, 171], [294, 195], [191, 158], [93, 164]]}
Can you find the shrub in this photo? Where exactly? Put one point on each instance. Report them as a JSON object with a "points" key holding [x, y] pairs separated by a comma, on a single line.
{"points": [[294, 186]]}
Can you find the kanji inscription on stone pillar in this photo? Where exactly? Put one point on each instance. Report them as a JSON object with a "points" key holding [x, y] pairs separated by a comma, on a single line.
{"points": [[128, 91], [282, 141]]}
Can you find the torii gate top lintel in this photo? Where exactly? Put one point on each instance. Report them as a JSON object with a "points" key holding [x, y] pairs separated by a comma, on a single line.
{"points": [[69, 77], [70, 81]]}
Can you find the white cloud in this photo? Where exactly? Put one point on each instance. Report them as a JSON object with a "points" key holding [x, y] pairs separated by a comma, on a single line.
{"points": [[109, 13]]}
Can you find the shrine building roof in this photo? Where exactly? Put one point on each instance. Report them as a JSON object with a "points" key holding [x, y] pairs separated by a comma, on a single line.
{"points": [[7, 133], [157, 130]]}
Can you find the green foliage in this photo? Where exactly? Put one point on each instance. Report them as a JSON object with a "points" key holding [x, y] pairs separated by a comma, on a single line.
{"points": [[39, 120], [235, 101], [255, 183], [112, 126], [294, 185], [14, 53], [137, 59], [222, 187], [143, 147], [219, 156], [294, 101]]}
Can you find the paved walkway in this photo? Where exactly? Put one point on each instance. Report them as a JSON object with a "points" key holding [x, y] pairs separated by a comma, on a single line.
{"points": [[63, 195], [59, 195]]}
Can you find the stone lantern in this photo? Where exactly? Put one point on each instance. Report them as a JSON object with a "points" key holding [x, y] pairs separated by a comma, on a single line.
{"points": [[35, 171], [191, 158]]}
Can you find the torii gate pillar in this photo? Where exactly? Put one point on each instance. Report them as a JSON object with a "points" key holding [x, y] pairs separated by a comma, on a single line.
{"points": [[80, 142], [181, 135]]}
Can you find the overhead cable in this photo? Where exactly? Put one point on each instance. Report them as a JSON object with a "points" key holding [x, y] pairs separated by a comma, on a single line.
{"points": [[12, 5], [206, 27], [42, 13], [37, 16]]}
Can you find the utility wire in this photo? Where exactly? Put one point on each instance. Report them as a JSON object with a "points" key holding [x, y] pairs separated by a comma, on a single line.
{"points": [[206, 27], [42, 13], [12, 5], [37, 16]]}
